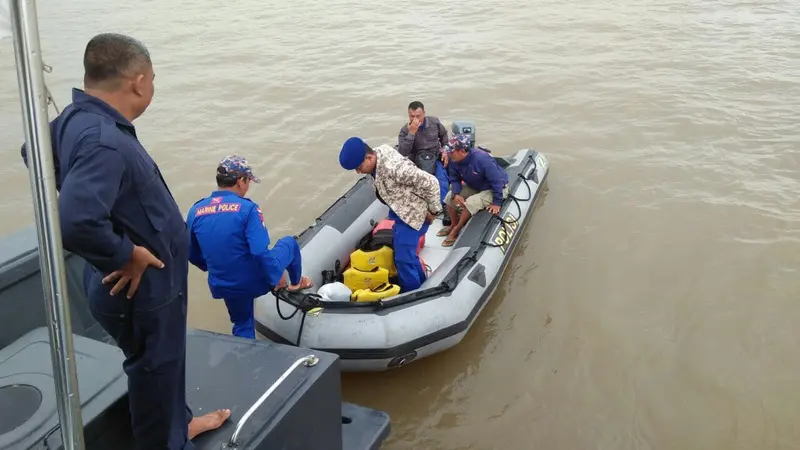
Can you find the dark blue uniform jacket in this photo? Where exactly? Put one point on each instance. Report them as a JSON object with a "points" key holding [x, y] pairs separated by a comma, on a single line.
{"points": [[112, 196]]}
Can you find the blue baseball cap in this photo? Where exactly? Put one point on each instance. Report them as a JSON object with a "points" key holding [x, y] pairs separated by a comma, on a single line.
{"points": [[353, 153], [237, 166]]}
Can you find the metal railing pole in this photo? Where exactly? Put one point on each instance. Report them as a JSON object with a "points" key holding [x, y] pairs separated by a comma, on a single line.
{"points": [[33, 97]]}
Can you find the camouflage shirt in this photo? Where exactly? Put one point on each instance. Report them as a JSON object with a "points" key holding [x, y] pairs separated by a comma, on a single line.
{"points": [[409, 191]]}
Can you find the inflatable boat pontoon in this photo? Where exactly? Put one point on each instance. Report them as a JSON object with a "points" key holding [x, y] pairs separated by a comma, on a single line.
{"points": [[385, 334]]}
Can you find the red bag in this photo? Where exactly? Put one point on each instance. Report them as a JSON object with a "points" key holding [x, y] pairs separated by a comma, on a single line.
{"points": [[388, 224], [385, 224]]}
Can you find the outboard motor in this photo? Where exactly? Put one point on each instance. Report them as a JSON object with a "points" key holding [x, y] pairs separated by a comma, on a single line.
{"points": [[464, 127]]}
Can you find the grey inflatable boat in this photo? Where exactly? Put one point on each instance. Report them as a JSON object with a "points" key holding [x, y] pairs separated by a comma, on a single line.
{"points": [[388, 333]]}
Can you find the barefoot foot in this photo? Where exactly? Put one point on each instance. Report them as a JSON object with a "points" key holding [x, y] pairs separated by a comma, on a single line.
{"points": [[208, 422]]}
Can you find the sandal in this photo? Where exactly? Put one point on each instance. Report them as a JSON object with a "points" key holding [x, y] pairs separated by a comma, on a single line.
{"points": [[448, 242], [283, 283], [304, 283], [444, 231]]}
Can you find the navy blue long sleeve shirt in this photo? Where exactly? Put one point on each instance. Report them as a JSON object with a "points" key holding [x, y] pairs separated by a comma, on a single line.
{"points": [[480, 171], [112, 196]]}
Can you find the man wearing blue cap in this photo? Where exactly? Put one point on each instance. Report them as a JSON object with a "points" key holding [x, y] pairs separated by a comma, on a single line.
{"points": [[230, 241], [411, 194]]}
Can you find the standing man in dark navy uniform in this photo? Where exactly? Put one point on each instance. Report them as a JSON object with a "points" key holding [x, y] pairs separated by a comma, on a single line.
{"points": [[118, 214], [230, 241]]}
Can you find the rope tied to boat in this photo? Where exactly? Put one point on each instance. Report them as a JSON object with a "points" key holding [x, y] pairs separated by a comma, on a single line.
{"points": [[307, 301], [301, 302], [473, 257], [505, 223]]}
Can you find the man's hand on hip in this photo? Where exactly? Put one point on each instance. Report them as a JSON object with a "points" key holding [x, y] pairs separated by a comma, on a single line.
{"points": [[132, 272]]}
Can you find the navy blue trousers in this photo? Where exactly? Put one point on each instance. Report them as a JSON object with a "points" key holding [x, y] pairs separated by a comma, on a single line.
{"points": [[410, 273], [444, 181], [240, 308], [154, 345]]}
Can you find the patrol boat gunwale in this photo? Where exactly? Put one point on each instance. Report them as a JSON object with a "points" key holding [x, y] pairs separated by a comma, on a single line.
{"points": [[277, 317]]}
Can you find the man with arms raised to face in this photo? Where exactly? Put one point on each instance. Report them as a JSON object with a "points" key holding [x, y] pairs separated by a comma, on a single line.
{"points": [[118, 214], [421, 140]]}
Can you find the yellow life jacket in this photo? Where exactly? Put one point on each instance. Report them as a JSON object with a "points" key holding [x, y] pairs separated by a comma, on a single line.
{"points": [[368, 261], [378, 293], [358, 279]]}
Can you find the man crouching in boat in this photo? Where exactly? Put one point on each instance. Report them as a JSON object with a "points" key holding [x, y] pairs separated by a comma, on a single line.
{"points": [[411, 194], [485, 185], [230, 241]]}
